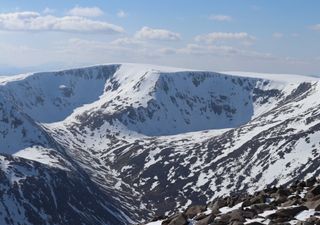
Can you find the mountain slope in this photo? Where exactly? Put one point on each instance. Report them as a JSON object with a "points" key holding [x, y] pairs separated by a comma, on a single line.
{"points": [[151, 137], [32, 193]]}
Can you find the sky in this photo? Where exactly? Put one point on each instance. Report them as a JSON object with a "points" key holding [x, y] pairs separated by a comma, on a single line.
{"points": [[271, 36]]}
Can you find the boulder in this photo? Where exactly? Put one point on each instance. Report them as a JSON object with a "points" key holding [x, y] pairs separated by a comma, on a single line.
{"points": [[302, 184], [225, 218], [194, 210], [217, 204], [291, 202], [181, 219], [313, 192], [241, 215], [233, 200], [271, 190], [313, 220], [156, 218], [313, 203], [280, 196], [279, 201], [311, 182], [260, 208], [236, 215], [200, 216], [236, 223], [207, 220], [279, 223], [177, 219], [219, 222], [304, 223], [284, 215], [254, 223], [283, 192], [261, 198]]}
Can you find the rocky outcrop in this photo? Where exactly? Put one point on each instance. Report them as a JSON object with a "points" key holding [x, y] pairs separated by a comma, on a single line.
{"points": [[296, 204]]}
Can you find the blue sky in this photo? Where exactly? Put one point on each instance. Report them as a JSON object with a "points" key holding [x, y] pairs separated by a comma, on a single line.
{"points": [[277, 36]]}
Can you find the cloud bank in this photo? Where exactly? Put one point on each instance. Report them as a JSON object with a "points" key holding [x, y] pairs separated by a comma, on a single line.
{"points": [[221, 36], [86, 11], [33, 21], [148, 33]]}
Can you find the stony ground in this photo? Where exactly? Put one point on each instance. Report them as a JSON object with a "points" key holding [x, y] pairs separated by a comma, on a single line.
{"points": [[296, 204]]}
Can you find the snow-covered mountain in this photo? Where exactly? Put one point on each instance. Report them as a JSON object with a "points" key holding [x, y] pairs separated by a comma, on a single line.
{"points": [[149, 139]]}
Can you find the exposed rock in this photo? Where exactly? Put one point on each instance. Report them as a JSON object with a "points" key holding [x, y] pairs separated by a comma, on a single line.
{"points": [[313, 203], [218, 222], [260, 208], [280, 196], [192, 211], [302, 184], [277, 213], [254, 223], [241, 215], [217, 204], [279, 199], [255, 200], [237, 215], [311, 181], [304, 223], [313, 192], [236, 223], [283, 192], [200, 216], [291, 202], [207, 220], [284, 215], [179, 219], [313, 220], [225, 218], [234, 200], [156, 218]]}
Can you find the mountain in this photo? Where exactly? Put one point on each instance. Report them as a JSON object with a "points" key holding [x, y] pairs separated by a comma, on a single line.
{"points": [[149, 139]]}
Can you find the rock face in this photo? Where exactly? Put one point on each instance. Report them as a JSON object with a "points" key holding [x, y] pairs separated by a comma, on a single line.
{"points": [[152, 139], [269, 211]]}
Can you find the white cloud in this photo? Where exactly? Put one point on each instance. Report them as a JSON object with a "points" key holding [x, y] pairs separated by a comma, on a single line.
{"points": [[148, 33], [221, 36], [98, 51], [167, 51], [221, 18], [33, 21], [315, 27], [86, 11], [127, 41], [48, 11], [80, 44], [121, 14], [60, 54], [277, 35], [195, 49]]}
